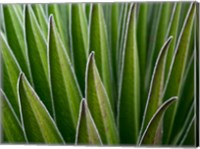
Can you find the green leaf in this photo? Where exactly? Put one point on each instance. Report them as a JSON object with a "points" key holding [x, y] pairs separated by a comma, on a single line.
{"points": [[142, 49], [129, 97], [15, 36], [41, 17], [86, 132], [66, 92], [99, 105], [189, 137], [114, 41], [38, 124], [186, 97], [156, 87], [2, 27], [37, 47], [79, 34], [87, 11], [173, 31], [12, 129], [177, 70], [162, 29], [19, 9], [54, 10], [121, 38], [184, 126], [152, 29], [11, 70], [150, 131], [100, 47]]}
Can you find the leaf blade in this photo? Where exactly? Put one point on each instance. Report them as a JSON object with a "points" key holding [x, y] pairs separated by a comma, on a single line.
{"points": [[149, 133], [11, 126], [87, 132], [177, 69], [79, 34], [99, 105], [65, 89], [40, 15], [128, 119], [100, 47], [37, 47], [38, 124], [11, 72], [156, 87], [15, 37]]}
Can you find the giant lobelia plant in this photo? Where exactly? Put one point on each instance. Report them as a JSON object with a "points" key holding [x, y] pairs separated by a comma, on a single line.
{"points": [[101, 74]]}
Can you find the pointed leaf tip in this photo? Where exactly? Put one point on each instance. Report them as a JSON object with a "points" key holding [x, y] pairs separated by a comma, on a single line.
{"points": [[98, 103], [86, 132], [148, 136], [38, 124]]}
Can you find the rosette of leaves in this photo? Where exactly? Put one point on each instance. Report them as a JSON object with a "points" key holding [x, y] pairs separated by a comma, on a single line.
{"points": [[98, 74]]}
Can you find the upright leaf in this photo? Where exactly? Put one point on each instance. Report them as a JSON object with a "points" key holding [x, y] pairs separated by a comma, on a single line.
{"points": [[142, 49], [87, 11], [11, 70], [163, 21], [156, 87], [162, 28], [15, 36], [114, 41], [129, 110], [177, 69], [178, 137], [54, 10], [37, 47], [38, 124], [100, 47], [12, 129], [173, 31], [86, 132], [189, 137], [99, 104], [152, 34], [121, 38], [2, 25], [150, 131], [66, 92], [41, 17], [186, 97], [79, 35]]}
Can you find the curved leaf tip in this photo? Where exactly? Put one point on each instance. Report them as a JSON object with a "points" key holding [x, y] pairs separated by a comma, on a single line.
{"points": [[150, 131]]}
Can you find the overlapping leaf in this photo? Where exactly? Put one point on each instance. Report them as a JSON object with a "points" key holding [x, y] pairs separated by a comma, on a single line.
{"points": [[87, 132], [13, 131], [11, 72], [129, 98], [99, 44], [41, 17], [37, 52], [39, 125], [174, 82], [173, 31], [79, 34], [54, 10], [66, 92], [99, 104], [15, 36], [156, 87], [150, 132]]}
